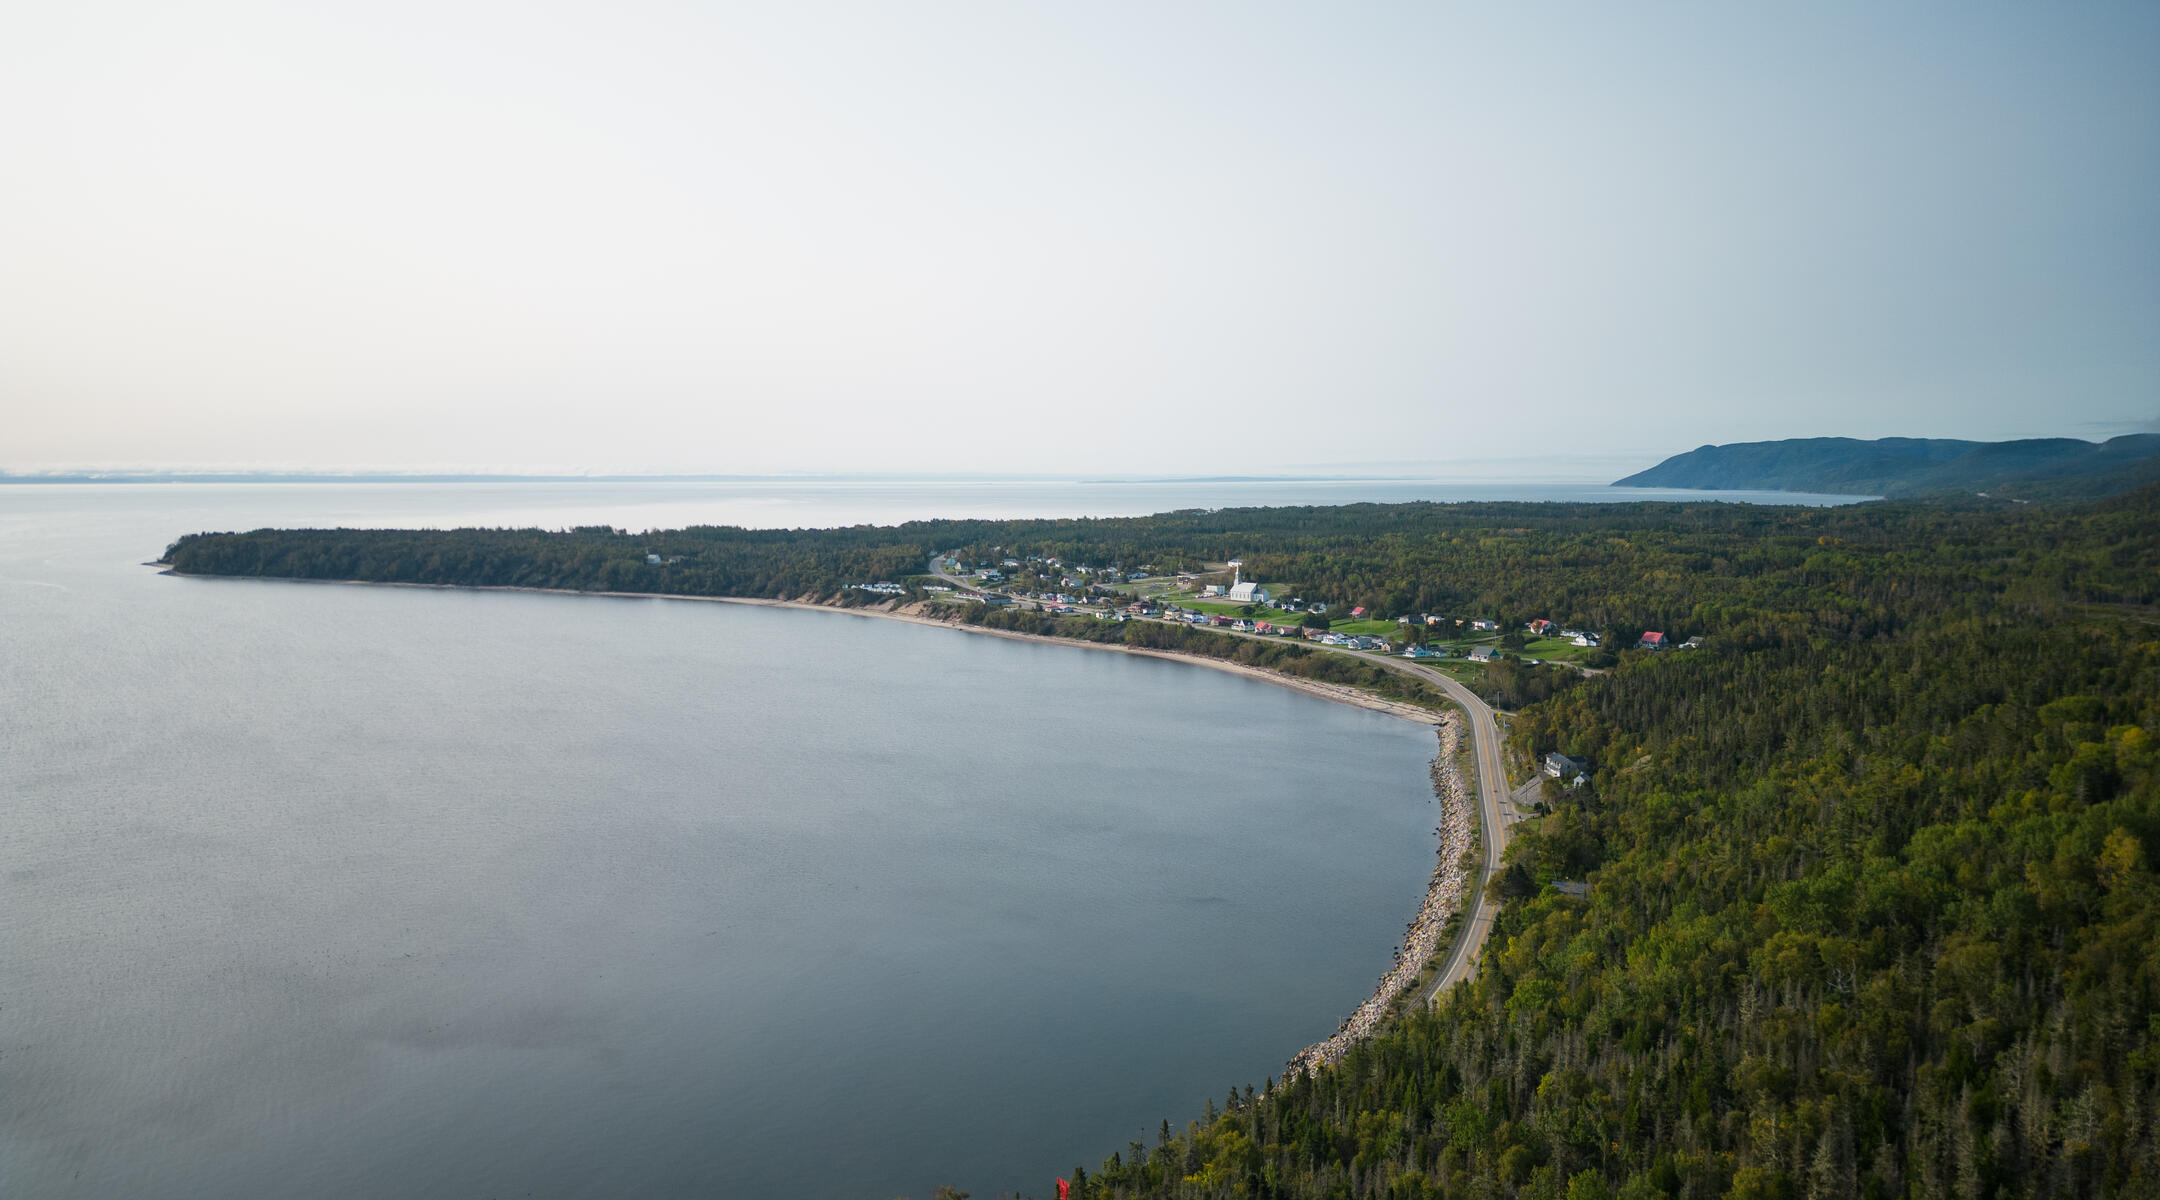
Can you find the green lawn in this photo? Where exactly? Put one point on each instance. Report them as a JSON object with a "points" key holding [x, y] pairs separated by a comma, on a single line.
{"points": [[1383, 627], [1386, 629], [1554, 649], [1260, 612]]}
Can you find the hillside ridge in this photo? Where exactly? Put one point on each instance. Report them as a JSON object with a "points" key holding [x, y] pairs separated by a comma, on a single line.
{"points": [[2030, 468]]}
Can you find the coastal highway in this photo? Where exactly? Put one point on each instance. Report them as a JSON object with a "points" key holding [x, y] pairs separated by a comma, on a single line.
{"points": [[1492, 793]]}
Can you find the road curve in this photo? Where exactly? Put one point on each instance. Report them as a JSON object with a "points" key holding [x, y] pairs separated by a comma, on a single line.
{"points": [[1462, 963]]}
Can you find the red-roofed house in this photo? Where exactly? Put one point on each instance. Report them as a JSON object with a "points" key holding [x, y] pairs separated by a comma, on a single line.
{"points": [[1541, 627], [1359, 611], [1651, 640]]}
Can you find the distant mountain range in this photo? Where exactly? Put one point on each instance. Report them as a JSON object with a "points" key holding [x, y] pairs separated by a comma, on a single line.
{"points": [[2033, 469]]}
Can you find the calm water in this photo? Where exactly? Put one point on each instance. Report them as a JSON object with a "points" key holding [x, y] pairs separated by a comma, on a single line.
{"points": [[337, 891]]}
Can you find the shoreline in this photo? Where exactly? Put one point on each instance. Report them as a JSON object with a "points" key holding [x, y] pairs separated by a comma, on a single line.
{"points": [[1421, 941], [1443, 893], [1337, 693]]}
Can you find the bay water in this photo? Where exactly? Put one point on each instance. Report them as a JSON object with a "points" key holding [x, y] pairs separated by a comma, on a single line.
{"points": [[349, 891]]}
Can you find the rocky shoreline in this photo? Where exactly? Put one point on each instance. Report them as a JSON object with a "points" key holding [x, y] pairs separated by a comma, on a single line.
{"points": [[1443, 899]]}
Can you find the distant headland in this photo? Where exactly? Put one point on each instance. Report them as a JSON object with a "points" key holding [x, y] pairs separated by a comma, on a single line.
{"points": [[2031, 469]]}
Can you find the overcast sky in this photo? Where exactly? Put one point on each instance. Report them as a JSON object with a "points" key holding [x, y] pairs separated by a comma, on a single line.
{"points": [[1085, 237]]}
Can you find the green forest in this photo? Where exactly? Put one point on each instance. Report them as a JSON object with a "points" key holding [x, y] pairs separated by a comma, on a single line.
{"points": [[1871, 907]]}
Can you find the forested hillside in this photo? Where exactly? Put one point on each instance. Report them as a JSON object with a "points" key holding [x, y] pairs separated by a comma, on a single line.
{"points": [[2032, 468], [1872, 913], [1871, 908]]}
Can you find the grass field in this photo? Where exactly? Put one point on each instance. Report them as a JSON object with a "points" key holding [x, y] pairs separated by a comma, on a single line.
{"points": [[1554, 649], [1386, 629], [1260, 612]]}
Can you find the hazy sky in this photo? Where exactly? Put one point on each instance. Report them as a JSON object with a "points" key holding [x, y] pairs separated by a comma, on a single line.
{"points": [[1081, 237]]}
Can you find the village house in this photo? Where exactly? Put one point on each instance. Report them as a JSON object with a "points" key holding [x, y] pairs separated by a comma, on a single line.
{"points": [[1541, 627], [1484, 626], [1561, 766], [1651, 640], [1481, 654]]}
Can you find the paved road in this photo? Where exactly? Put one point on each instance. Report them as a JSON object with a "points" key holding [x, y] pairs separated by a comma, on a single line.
{"points": [[968, 586], [1493, 797]]}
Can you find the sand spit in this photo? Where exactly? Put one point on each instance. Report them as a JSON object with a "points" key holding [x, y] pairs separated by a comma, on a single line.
{"points": [[1443, 899]]}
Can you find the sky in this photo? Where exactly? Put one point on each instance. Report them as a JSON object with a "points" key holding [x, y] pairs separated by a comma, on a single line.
{"points": [[1077, 238]]}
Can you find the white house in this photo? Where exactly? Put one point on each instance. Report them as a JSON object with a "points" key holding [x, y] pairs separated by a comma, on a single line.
{"points": [[1562, 766]]}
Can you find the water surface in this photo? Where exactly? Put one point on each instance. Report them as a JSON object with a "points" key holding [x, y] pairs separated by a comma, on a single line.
{"points": [[349, 891]]}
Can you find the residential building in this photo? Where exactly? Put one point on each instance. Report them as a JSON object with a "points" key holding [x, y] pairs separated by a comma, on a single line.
{"points": [[1561, 766]]}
